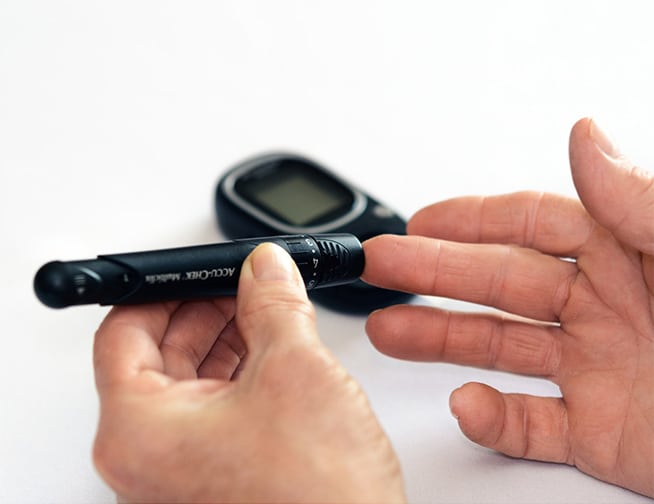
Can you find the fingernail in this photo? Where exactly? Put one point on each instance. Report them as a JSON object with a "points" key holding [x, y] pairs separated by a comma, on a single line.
{"points": [[271, 262], [603, 140]]}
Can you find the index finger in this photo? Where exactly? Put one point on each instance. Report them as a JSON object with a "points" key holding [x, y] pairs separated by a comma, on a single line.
{"points": [[127, 342], [514, 279]]}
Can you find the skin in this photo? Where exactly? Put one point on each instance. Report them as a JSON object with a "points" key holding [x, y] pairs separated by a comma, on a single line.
{"points": [[238, 400], [586, 324], [178, 425]]}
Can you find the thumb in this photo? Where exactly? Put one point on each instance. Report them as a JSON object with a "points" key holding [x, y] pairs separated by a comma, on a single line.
{"points": [[615, 193], [272, 307]]}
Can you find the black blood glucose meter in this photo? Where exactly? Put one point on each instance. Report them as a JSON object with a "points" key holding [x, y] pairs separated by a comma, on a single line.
{"points": [[285, 193]]}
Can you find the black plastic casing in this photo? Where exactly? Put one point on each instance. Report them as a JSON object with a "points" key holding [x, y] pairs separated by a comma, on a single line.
{"points": [[204, 271], [237, 219]]}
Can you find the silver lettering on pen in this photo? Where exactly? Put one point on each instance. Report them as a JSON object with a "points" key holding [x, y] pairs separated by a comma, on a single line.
{"points": [[163, 278], [206, 274], [212, 273]]}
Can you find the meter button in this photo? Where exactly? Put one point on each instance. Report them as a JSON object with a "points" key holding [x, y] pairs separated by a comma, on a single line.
{"points": [[383, 212]]}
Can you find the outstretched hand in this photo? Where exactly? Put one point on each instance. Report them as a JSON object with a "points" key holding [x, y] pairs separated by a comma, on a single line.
{"points": [[178, 425], [582, 273]]}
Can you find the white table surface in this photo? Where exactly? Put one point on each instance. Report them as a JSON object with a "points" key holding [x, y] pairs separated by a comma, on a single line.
{"points": [[116, 119]]}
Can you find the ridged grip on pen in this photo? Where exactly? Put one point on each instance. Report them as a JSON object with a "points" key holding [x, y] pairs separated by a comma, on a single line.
{"points": [[342, 261]]}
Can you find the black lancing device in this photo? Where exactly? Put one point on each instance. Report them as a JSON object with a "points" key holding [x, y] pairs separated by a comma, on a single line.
{"points": [[203, 271]]}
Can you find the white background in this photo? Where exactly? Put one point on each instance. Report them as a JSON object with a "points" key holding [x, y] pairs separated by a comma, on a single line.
{"points": [[117, 118]]}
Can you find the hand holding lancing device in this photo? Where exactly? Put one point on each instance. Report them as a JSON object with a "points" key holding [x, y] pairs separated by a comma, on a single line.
{"points": [[175, 426], [295, 427]]}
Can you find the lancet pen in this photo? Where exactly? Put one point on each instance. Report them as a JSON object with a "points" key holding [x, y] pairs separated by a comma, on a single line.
{"points": [[201, 271]]}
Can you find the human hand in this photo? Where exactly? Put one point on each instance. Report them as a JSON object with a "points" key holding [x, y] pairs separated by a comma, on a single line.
{"points": [[176, 424], [592, 319]]}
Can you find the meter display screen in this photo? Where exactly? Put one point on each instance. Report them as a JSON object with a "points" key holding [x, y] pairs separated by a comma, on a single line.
{"points": [[296, 193]]}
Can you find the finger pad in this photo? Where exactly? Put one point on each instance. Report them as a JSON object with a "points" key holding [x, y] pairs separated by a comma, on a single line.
{"points": [[407, 332], [479, 410], [456, 219]]}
